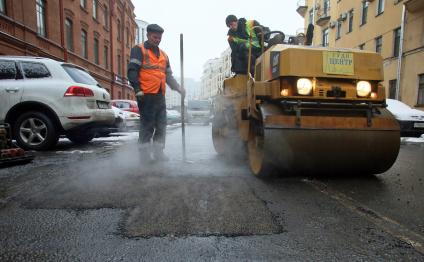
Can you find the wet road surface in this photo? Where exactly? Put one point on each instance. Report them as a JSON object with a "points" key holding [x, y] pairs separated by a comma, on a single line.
{"points": [[98, 203]]}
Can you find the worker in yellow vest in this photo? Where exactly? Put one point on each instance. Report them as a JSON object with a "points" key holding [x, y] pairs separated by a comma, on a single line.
{"points": [[239, 33]]}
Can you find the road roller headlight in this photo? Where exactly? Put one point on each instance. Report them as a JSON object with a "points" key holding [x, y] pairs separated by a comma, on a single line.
{"points": [[363, 88], [285, 92], [304, 86]]}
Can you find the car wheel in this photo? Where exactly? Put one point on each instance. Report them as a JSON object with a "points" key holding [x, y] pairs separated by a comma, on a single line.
{"points": [[81, 137], [35, 131]]}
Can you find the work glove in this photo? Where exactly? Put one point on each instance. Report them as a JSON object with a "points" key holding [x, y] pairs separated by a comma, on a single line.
{"points": [[139, 94], [182, 91]]}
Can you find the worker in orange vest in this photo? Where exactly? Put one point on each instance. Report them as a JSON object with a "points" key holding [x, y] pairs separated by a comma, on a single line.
{"points": [[148, 72]]}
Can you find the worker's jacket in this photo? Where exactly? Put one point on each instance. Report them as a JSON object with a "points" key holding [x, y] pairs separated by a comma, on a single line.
{"points": [[241, 37], [135, 73], [152, 76]]}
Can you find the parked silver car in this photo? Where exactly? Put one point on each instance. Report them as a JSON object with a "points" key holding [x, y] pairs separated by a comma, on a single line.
{"points": [[42, 99]]}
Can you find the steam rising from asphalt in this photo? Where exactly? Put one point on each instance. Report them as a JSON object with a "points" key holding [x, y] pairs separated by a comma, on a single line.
{"points": [[107, 169]]}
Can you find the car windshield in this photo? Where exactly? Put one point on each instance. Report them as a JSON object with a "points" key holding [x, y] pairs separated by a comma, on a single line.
{"points": [[79, 75], [123, 105], [198, 105]]}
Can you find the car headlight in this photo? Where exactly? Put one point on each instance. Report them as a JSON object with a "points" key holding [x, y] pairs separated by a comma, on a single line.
{"points": [[304, 86], [363, 88]]}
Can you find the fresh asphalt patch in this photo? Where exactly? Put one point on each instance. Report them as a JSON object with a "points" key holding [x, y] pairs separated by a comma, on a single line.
{"points": [[201, 207], [160, 205]]}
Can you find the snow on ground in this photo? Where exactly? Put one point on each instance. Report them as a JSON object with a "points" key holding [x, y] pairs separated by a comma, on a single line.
{"points": [[76, 152], [125, 136], [412, 139]]}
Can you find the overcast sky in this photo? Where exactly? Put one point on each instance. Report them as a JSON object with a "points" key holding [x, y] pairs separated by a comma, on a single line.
{"points": [[203, 25]]}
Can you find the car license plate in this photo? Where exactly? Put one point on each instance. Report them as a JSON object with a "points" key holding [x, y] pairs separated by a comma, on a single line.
{"points": [[102, 105], [419, 125]]}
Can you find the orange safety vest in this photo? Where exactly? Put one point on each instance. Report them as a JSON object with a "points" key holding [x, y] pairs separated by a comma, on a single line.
{"points": [[152, 76]]}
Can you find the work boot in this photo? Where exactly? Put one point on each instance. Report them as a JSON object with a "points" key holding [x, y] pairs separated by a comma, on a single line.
{"points": [[158, 154], [145, 153]]}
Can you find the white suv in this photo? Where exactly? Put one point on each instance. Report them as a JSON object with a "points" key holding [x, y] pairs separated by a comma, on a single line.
{"points": [[42, 98]]}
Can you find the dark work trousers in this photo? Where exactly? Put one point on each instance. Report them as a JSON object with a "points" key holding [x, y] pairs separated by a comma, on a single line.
{"points": [[239, 60], [153, 118]]}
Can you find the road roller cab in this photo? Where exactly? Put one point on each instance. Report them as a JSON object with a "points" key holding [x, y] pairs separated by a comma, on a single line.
{"points": [[308, 110]]}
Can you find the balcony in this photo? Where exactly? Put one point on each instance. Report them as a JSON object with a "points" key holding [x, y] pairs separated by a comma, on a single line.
{"points": [[414, 5], [323, 19], [302, 7]]}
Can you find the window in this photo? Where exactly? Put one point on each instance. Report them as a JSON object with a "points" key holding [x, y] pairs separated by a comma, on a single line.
{"points": [[118, 24], [380, 7], [378, 44], [325, 37], [79, 75], [362, 46], [83, 3], [119, 95], [106, 56], [364, 12], [311, 16], [420, 100], [338, 29], [392, 89], [326, 8], [350, 25], [41, 17], [106, 16], [96, 51], [7, 70], [123, 105], [84, 51], [95, 9], [35, 70], [128, 36], [69, 31], [3, 6], [119, 65], [396, 42]]}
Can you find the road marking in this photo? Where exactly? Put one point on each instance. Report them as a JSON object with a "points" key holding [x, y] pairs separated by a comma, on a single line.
{"points": [[387, 224]]}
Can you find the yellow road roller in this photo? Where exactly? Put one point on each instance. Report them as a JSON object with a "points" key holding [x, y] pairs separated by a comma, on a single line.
{"points": [[309, 111]]}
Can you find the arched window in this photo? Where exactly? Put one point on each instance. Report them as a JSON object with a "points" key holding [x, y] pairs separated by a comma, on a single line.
{"points": [[118, 31], [106, 16], [3, 6], [41, 17], [69, 31], [95, 9], [84, 50], [96, 51]]}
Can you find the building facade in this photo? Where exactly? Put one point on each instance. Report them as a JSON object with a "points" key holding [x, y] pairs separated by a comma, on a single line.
{"points": [[214, 73], [95, 34], [393, 28]]}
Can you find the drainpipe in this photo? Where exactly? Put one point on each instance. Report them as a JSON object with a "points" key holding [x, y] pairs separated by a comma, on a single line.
{"points": [[62, 34], [25, 28], [399, 65], [123, 31], [313, 19], [111, 14]]}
